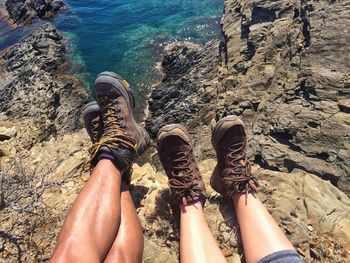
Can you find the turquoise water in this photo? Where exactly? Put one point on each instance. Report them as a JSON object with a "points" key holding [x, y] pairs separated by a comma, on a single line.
{"points": [[127, 36]]}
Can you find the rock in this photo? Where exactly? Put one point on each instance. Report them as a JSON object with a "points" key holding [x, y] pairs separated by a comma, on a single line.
{"points": [[42, 159], [33, 85], [294, 200], [7, 133], [297, 120], [153, 253], [180, 96], [279, 68], [46, 182], [24, 11]]}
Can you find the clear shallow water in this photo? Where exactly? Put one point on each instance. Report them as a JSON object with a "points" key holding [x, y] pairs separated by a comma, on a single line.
{"points": [[126, 36]]}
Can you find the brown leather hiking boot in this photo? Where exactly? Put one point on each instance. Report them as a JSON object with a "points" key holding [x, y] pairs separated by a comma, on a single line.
{"points": [[233, 171], [176, 155], [122, 137], [93, 121]]}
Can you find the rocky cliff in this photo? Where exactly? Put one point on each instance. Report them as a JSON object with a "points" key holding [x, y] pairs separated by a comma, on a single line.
{"points": [[35, 90], [24, 11], [283, 68], [39, 104], [276, 67]]}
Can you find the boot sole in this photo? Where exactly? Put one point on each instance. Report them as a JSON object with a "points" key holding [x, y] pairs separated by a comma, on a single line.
{"points": [[90, 111], [170, 127], [218, 132], [91, 107], [122, 81], [215, 177]]}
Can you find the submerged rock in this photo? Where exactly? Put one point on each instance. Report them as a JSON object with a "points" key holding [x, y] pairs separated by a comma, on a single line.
{"points": [[24, 11]]}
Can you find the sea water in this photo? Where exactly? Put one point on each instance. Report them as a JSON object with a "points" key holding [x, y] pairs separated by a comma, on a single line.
{"points": [[127, 36]]}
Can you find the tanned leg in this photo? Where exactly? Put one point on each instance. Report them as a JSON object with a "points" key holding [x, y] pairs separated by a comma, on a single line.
{"points": [[93, 221], [128, 245], [176, 155], [197, 244], [260, 233]]}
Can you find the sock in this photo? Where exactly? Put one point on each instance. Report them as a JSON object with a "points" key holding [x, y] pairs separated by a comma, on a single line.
{"points": [[108, 156], [200, 200], [105, 155]]}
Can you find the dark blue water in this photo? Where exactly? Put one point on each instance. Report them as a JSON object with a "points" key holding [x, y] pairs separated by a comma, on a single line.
{"points": [[127, 36]]}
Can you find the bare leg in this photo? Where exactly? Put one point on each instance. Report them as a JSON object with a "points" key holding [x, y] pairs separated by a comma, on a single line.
{"points": [[128, 245], [93, 221], [261, 234], [197, 244]]}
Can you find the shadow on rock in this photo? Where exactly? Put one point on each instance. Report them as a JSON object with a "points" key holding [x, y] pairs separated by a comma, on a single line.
{"points": [[167, 210], [229, 226], [138, 193]]}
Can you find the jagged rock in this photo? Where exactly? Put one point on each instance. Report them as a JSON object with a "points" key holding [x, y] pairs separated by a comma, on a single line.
{"points": [[284, 70], [293, 90], [297, 201], [256, 73], [7, 133], [24, 11], [181, 97], [39, 102], [38, 189], [33, 85]]}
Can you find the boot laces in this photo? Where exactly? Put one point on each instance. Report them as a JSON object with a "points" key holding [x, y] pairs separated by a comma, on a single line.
{"points": [[95, 130], [183, 180], [236, 160], [238, 169], [114, 134]]}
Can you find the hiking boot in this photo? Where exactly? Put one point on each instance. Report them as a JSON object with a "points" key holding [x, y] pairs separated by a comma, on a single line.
{"points": [[233, 171], [122, 137], [93, 121], [176, 155]]}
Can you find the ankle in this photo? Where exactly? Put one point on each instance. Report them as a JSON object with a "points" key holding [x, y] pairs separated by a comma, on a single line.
{"points": [[199, 203], [107, 167], [104, 155], [238, 198]]}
